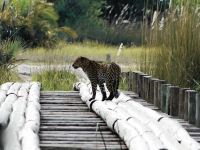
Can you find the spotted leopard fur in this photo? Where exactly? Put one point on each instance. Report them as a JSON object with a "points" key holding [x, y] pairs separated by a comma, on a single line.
{"points": [[99, 74]]}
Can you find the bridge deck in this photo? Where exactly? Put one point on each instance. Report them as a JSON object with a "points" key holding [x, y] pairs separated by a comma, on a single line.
{"points": [[67, 123]]}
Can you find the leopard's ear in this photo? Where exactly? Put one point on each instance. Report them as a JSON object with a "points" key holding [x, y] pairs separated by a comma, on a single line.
{"points": [[82, 58]]}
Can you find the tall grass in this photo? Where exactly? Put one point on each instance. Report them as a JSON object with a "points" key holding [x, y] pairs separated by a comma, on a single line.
{"points": [[174, 50], [62, 80], [8, 76], [54, 79]]}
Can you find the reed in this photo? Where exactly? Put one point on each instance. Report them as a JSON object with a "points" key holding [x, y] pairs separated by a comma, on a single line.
{"points": [[173, 45]]}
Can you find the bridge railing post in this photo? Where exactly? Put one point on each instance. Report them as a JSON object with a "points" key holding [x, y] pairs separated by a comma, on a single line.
{"points": [[130, 80], [181, 108], [163, 96], [141, 76], [174, 100], [146, 88], [192, 107], [186, 101], [108, 58], [157, 97], [197, 110], [151, 89]]}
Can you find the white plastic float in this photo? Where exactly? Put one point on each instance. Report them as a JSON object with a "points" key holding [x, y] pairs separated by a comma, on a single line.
{"points": [[20, 119], [139, 127]]}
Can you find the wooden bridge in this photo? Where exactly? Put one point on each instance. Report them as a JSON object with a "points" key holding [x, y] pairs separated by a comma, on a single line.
{"points": [[67, 123]]}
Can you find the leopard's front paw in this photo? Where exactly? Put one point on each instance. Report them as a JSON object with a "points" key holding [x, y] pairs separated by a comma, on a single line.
{"points": [[103, 98], [117, 94]]}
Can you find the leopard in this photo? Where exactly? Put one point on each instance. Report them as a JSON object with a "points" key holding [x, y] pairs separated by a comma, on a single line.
{"points": [[100, 73]]}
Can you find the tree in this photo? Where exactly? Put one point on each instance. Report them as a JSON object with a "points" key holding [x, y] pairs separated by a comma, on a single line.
{"points": [[74, 13], [35, 22], [81, 15]]}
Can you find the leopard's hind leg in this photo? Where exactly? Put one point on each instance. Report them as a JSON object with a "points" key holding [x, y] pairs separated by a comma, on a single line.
{"points": [[115, 88], [94, 88], [101, 85], [110, 89]]}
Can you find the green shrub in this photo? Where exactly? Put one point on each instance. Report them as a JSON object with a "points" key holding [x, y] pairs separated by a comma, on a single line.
{"points": [[8, 76], [9, 50], [8, 53]]}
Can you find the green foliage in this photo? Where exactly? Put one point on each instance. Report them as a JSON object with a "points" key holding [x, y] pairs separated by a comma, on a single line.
{"points": [[8, 59], [74, 13], [23, 5], [8, 53], [34, 21], [174, 48], [53, 79], [82, 16]]}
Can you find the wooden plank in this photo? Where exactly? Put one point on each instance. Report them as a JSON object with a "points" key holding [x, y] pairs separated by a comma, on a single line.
{"points": [[78, 132], [194, 129], [50, 146], [65, 107], [74, 119], [193, 134], [60, 102], [61, 99], [72, 124], [59, 93], [49, 98], [71, 128], [63, 110], [69, 116], [67, 113], [79, 135], [83, 142], [78, 138]]}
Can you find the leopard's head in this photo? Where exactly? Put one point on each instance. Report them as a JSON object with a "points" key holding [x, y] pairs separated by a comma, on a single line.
{"points": [[79, 62]]}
